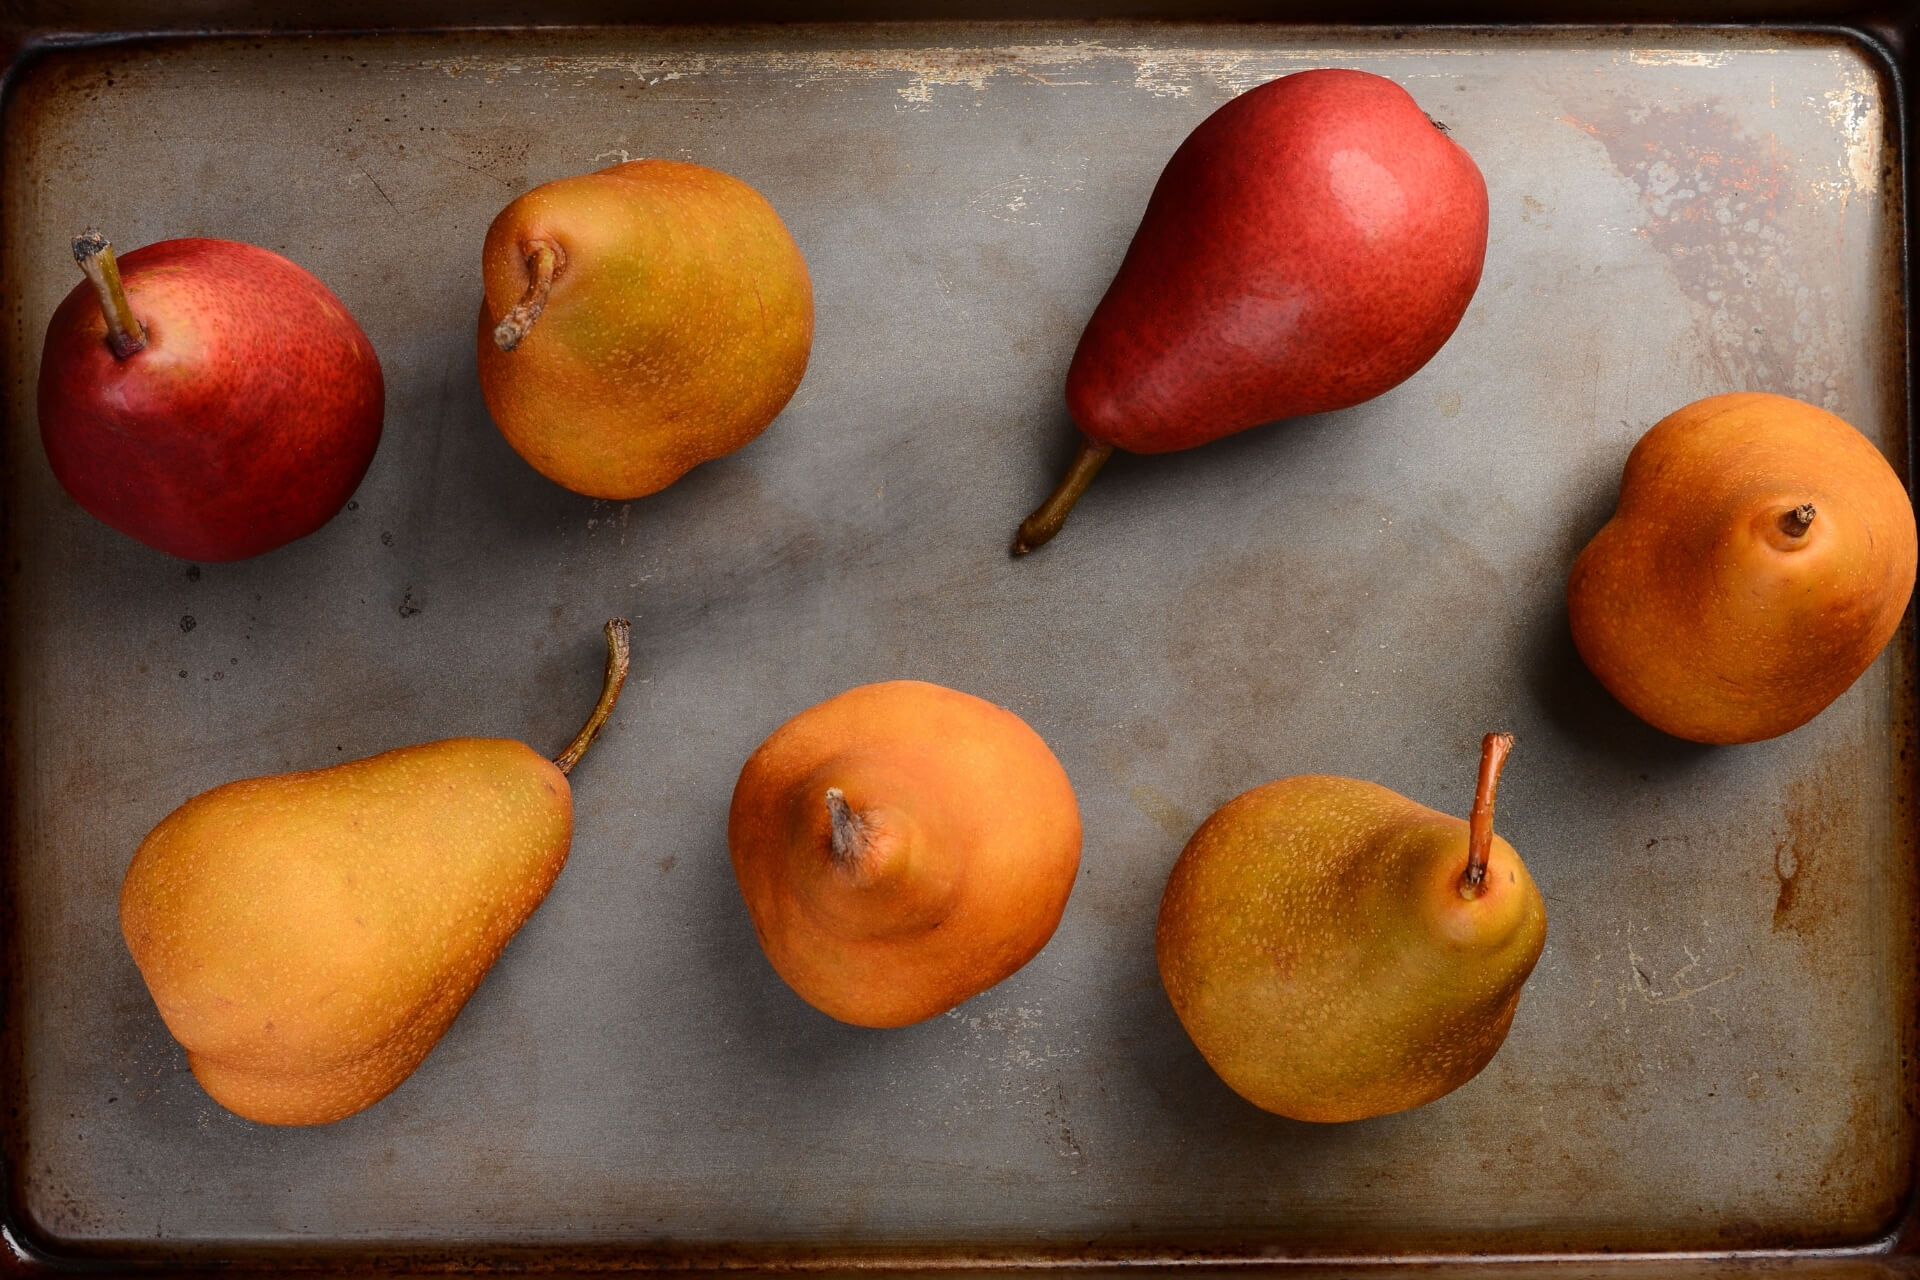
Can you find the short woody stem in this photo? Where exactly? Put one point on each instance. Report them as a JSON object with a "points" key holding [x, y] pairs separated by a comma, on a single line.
{"points": [[543, 258], [1493, 756], [1051, 514], [619, 648], [849, 829], [125, 333], [1796, 522]]}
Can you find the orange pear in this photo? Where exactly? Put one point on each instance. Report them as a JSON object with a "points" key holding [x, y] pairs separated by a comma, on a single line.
{"points": [[902, 847], [1337, 951], [1761, 557]]}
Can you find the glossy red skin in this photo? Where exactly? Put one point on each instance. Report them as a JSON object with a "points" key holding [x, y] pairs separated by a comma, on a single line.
{"points": [[246, 422], [1312, 244]]}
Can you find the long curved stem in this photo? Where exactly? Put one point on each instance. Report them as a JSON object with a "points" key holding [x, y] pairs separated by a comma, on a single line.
{"points": [[619, 650], [1051, 514], [543, 258], [1494, 749], [125, 333]]}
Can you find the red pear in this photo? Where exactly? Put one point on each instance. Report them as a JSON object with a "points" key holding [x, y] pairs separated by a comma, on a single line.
{"points": [[1309, 246], [210, 398]]}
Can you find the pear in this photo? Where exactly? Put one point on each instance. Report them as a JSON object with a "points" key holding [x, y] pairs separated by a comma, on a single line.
{"points": [[639, 321], [1761, 557], [308, 937], [1309, 246], [207, 397], [1337, 951], [902, 847]]}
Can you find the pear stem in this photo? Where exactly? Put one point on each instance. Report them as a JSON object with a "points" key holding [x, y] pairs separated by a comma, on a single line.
{"points": [[543, 258], [125, 333], [1047, 518], [619, 650], [1494, 749], [849, 829], [1796, 522]]}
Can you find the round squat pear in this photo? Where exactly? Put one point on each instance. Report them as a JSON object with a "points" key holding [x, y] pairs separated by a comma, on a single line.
{"points": [[207, 397], [639, 321], [309, 937], [1761, 557], [1337, 951], [902, 847], [1309, 246]]}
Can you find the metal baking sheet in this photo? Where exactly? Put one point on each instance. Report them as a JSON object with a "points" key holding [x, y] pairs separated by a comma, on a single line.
{"points": [[1715, 1052]]}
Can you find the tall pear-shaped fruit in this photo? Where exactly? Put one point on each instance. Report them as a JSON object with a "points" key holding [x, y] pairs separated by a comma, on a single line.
{"points": [[1337, 951], [308, 937], [639, 321], [902, 847], [1310, 245], [1761, 557]]}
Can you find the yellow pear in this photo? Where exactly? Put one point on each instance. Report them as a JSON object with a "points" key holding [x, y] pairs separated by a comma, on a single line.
{"points": [[309, 936], [639, 321], [1337, 951]]}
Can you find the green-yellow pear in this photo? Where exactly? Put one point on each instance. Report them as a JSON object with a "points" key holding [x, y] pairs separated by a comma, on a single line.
{"points": [[308, 937], [638, 321], [1337, 951]]}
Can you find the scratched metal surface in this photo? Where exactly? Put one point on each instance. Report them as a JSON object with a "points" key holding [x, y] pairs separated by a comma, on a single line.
{"points": [[1713, 1051]]}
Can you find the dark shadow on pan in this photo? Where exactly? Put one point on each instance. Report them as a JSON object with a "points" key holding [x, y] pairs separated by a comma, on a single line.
{"points": [[1569, 694]]}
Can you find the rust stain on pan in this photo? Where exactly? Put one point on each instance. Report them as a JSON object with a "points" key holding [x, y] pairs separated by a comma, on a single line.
{"points": [[1717, 202], [1819, 830], [1905, 962], [1825, 887]]}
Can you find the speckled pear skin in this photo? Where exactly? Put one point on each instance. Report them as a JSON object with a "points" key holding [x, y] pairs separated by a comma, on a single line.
{"points": [[1315, 945], [976, 842], [1699, 614], [248, 420], [679, 325], [308, 937]]}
